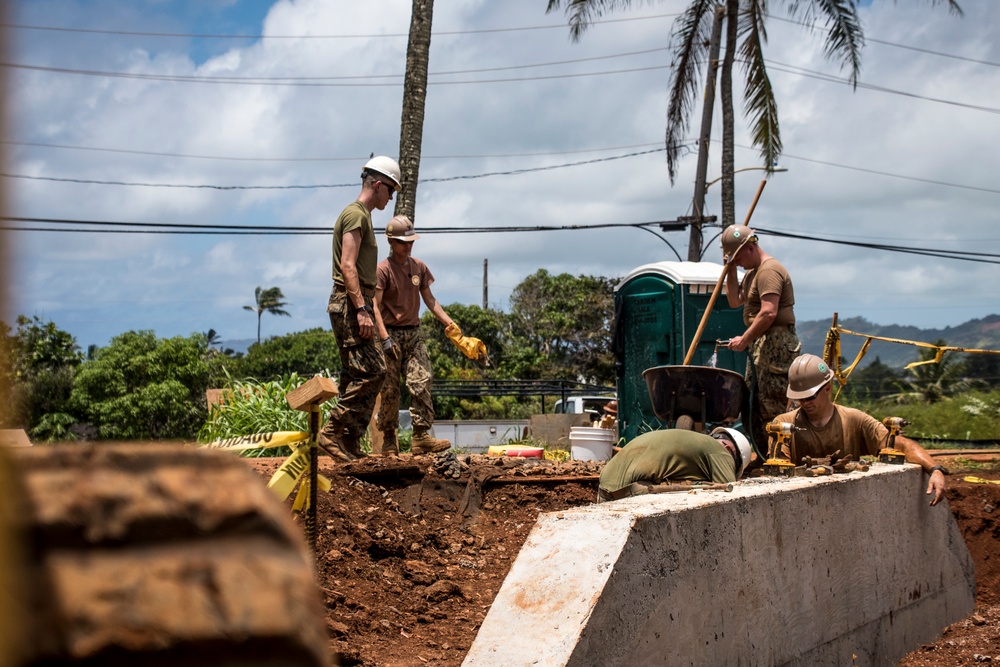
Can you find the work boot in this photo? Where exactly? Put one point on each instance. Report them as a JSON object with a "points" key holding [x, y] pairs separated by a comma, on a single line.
{"points": [[423, 443], [331, 442], [353, 447], [390, 445]]}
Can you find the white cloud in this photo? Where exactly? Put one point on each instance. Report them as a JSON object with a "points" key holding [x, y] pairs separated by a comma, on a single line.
{"points": [[99, 285]]}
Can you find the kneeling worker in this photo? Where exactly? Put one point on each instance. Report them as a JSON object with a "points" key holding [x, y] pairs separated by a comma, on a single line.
{"points": [[674, 455], [828, 428]]}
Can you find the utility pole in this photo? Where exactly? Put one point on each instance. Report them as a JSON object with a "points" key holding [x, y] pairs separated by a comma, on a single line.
{"points": [[694, 245], [486, 264]]}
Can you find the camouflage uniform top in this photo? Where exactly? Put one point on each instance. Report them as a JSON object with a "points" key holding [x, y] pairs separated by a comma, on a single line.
{"points": [[669, 454], [356, 217], [853, 432], [768, 278], [401, 285]]}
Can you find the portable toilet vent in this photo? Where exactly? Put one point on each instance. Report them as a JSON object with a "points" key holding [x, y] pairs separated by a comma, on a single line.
{"points": [[658, 308]]}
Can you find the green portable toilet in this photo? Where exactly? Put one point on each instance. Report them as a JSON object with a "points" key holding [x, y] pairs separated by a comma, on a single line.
{"points": [[658, 308]]}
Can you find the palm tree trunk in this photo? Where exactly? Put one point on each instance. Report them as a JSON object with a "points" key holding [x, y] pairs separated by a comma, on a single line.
{"points": [[728, 118], [414, 97], [259, 314]]}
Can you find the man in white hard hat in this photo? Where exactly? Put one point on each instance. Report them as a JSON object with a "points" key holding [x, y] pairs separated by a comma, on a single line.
{"points": [[674, 455], [352, 311], [403, 280], [767, 298], [828, 428]]}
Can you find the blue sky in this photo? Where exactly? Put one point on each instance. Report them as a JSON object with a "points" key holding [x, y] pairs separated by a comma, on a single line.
{"points": [[908, 158]]}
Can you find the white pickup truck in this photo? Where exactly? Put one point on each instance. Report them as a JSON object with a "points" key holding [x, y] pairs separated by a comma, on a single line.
{"points": [[592, 405]]}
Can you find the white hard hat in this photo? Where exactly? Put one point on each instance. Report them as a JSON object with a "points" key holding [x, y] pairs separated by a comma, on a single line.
{"points": [[806, 375], [385, 166], [742, 445]]}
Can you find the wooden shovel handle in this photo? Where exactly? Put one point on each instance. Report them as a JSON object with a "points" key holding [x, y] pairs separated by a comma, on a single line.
{"points": [[718, 285]]}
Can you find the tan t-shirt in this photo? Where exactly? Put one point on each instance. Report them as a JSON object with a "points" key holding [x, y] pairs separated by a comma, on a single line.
{"points": [[401, 285], [853, 432], [356, 217], [768, 278]]}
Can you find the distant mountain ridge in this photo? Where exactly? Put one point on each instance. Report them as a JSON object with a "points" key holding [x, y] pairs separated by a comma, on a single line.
{"points": [[983, 334]]}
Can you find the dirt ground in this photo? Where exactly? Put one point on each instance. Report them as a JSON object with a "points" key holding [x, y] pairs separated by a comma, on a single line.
{"points": [[411, 553]]}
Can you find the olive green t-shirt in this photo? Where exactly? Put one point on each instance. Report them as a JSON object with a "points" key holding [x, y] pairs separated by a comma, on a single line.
{"points": [[670, 454], [768, 278], [356, 217], [853, 432]]}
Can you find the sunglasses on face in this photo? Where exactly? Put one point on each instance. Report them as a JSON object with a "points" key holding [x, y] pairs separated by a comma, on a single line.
{"points": [[809, 399]]}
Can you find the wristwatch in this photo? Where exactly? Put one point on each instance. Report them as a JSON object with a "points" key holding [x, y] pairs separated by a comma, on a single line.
{"points": [[368, 309], [944, 471]]}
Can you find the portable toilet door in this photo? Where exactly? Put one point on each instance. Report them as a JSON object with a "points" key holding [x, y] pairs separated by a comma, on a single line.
{"points": [[658, 309]]}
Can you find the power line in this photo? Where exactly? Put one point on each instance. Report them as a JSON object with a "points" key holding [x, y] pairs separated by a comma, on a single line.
{"points": [[436, 33], [512, 172], [355, 158], [443, 179], [897, 45], [299, 82], [821, 76], [237, 230]]}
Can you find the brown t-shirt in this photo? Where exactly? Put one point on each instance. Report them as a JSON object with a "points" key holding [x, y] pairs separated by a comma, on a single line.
{"points": [[853, 432], [401, 285], [768, 278]]}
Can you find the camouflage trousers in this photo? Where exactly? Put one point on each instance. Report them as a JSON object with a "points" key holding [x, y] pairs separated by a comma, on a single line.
{"points": [[414, 367], [362, 372], [770, 356]]}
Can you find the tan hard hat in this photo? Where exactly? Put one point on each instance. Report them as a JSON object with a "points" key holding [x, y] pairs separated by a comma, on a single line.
{"points": [[384, 166], [807, 375], [400, 228], [735, 237]]}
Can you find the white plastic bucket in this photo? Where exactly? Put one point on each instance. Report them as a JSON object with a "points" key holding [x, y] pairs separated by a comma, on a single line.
{"points": [[591, 444]]}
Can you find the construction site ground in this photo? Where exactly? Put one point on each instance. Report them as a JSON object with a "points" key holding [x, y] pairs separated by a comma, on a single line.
{"points": [[411, 551]]}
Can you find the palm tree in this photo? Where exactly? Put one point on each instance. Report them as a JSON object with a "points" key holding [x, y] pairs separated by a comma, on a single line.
{"points": [[411, 135], [745, 33], [936, 375], [268, 301]]}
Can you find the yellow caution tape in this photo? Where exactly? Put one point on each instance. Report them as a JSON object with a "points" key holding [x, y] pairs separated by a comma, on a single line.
{"points": [[980, 480], [259, 440], [291, 471]]}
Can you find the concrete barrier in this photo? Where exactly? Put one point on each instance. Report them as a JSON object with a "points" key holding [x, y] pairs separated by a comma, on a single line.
{"points": [[842, 570]]}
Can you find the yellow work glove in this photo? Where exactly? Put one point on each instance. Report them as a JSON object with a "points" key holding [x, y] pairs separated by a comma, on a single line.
{"points": [[473, 348]]}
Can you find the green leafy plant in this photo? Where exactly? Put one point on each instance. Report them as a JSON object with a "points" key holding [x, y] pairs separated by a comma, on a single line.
{"points": [[250, 407]]}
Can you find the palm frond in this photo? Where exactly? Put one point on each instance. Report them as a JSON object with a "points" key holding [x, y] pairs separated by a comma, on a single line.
{"points": [[692, 32], [582, 13], [759, 105], [844, 37]]}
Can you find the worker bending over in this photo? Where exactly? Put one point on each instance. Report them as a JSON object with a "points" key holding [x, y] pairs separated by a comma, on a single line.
{"points": [[674, 455]]}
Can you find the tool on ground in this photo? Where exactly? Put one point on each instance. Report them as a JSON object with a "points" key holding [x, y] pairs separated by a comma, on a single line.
{"points": [[473, 348], [980, 480], [718, 287], [676, 487], [889, 453], [776, 463]]}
